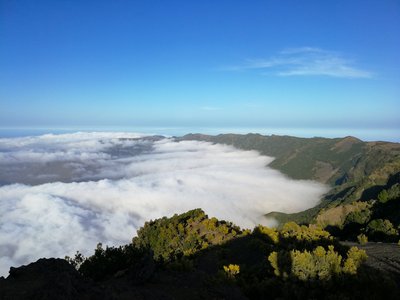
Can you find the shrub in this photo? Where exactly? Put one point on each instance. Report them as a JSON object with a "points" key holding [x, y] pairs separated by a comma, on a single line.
{"points": [[77, 261], [232, 270], [362, 239], [355, 257], [380, 229], [183, 235], [271, 233], [304, 233], [319, 264], [359, 217], [273, 259], [383, 196], [106, 262], [390, 194]]}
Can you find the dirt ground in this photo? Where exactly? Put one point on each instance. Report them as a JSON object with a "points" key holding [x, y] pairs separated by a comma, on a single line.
{"points": [[383, 256]]}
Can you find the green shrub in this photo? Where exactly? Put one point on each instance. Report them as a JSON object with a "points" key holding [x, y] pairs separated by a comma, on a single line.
{"points": [[183, 235], [362, 239], [359, 217], [232, 270], [390, 194], [304, 233], [106, 262], [273, 259], [271, 233], [382, 230], [355, 257], [383, 196], [319, 264]]}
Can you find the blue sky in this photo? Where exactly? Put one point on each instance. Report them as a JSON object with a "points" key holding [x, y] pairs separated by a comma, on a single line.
{"points": [[240, 64]]}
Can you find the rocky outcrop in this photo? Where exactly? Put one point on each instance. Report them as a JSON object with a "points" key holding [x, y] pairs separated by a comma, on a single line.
{"points": [[51, 278]]}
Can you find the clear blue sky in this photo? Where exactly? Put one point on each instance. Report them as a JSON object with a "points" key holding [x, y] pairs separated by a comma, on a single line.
{"points": [[316, 64]]}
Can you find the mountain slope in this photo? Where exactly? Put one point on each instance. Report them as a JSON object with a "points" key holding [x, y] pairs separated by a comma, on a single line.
{"points": [[354, 169]]}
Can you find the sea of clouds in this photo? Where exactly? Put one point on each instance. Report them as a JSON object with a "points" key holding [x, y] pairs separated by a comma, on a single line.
{"points": [[63, 193]]}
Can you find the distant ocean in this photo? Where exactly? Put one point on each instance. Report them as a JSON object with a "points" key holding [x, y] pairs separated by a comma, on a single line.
{"points": [[391, 134]]}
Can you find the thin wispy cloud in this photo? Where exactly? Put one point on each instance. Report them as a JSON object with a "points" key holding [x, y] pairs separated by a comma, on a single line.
{"points": [[306, 61]]}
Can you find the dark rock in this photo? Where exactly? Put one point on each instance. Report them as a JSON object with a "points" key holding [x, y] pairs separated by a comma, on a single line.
{"points": [[51, 278]]}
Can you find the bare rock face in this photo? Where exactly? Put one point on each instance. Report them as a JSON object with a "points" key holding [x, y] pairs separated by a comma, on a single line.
{"points": [[51, 278]]}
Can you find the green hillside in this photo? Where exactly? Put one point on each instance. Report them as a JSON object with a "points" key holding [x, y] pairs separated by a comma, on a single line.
{"points": [[373, 220], [354, 169]]}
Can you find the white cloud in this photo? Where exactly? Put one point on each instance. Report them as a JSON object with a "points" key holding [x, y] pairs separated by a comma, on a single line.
{"points": [[56, 219], [64, 147], [306, 61]]}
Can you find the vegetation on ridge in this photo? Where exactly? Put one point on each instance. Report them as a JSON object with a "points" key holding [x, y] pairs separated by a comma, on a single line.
{"points": [[373, 220], [217, 259]]}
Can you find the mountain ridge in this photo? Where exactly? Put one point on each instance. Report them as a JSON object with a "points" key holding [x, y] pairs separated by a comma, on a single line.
{"points": [[355, 170]]}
